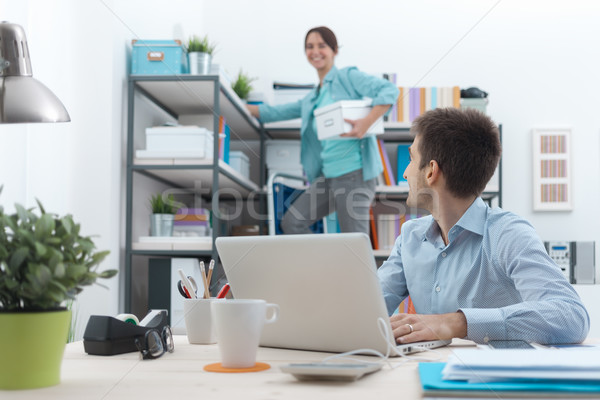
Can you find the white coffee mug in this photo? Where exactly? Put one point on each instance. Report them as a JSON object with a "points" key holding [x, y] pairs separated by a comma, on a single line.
{"points": [[198, 321], [238, 324]]}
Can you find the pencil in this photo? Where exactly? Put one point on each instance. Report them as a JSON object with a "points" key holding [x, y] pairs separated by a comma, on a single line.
{"points": [[211, 266], [203, 273]]}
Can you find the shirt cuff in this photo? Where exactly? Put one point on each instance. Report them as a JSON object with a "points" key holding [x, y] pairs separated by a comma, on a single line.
{"points": [[484, 324]]}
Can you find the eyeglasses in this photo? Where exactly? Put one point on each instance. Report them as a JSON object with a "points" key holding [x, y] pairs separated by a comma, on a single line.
{"points": [[155, 344]]}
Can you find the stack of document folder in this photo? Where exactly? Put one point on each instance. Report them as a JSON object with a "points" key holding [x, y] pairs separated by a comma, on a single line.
{"points": [[514, 373]]}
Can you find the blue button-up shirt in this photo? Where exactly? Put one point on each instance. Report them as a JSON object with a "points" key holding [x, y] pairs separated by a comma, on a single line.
{"points": [[343, 84], [494, 269]]}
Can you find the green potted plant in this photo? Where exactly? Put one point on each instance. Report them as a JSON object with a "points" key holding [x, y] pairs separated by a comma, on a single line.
{"points": [[163, 214], [242, 86], [44, 262], [200, 52]]}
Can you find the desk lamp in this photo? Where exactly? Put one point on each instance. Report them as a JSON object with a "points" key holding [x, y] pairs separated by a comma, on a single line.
{"points": [[23, 98]]}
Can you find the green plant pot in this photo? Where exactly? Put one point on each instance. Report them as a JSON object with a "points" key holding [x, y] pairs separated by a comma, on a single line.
{"points": [[161, 224], [31, 348], [199, 63]]}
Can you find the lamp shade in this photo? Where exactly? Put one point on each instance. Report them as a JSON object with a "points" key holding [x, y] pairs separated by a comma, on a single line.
{"points": [[23, 98]]}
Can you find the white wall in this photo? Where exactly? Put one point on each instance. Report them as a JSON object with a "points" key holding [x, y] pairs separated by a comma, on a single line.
{"points": [[537, 59]]}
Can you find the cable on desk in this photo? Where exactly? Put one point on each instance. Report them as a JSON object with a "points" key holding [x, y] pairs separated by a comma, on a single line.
{"points": [[391, 348]]}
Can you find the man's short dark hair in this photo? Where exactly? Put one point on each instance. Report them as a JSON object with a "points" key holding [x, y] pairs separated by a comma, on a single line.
{"points": [[465, 144]]}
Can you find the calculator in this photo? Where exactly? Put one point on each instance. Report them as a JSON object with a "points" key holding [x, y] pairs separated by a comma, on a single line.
{"points": [[330, 371]]}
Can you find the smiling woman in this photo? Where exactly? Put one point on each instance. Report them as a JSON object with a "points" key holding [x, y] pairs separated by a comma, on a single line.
{"points": [[342, 172]]}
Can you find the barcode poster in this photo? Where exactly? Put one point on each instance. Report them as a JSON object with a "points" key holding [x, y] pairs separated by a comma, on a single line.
{"points": [[551, 170]]}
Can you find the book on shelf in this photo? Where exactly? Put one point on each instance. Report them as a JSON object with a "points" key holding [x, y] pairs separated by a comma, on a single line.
{"points": [[373, 235], [403, 161], [385, 174], [224, 139], [400, 105], [388, 229], [407, 306], [385, 228], [388, 173], [414, 101]]}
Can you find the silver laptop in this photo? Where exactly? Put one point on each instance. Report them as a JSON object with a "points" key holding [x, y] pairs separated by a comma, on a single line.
{"points": [[326, 286]]}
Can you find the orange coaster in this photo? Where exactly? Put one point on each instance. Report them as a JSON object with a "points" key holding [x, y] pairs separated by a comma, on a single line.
{"points": [[217, 367]]}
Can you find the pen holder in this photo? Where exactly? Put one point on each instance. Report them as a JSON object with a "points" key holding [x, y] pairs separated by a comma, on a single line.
{"points": [[198, 320], [107, 336]]}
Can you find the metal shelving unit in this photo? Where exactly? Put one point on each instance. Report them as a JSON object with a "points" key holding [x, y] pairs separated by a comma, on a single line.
{"points": [[211, 178]]}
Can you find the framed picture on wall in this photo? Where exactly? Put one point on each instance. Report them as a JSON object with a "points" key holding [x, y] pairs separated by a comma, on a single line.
{"points": [[552, 187]]}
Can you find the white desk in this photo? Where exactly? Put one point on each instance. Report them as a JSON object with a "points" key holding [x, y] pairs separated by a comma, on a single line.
{"points": [[180, 376]]}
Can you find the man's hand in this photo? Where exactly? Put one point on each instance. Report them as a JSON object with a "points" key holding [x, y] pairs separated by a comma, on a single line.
{"points": [[408, 328]]}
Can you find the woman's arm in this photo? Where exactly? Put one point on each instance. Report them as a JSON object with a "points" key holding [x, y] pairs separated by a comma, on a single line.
{"points": [[383, 92], [268, 113]]}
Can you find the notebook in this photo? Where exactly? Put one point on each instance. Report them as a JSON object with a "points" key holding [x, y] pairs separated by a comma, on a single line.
{"points": [[326, 286]]}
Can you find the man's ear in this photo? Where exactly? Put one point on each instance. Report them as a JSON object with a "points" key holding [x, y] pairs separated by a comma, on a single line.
{"points": [[433, 172]]}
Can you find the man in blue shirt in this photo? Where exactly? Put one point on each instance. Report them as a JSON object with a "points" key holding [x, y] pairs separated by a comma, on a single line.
{"points": [[471, 271]]}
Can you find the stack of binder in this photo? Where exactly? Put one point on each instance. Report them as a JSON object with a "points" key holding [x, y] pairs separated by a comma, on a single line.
{"points": [[538, 373]]}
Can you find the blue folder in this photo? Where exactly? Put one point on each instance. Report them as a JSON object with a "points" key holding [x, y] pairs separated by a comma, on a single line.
{"points": [[433, 384]]}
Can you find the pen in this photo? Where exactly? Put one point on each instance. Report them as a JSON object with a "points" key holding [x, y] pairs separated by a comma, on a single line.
{"points": [[211, 266], [182, 291], [187, 285], [203, 273], [223, 292]]}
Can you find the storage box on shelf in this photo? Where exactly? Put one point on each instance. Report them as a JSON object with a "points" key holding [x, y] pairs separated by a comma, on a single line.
{"points": [[172, 243], [177, 142], [240, 162], [290, 92], [283, 156], [192, 222], [478, 104], [158, 57]]}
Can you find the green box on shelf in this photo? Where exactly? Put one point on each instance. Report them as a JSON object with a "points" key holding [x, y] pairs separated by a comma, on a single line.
{"points": [[478, 104], [158, 57]]}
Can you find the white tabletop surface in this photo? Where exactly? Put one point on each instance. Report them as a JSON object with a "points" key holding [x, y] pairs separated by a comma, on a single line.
{"points": [[180, 375]]}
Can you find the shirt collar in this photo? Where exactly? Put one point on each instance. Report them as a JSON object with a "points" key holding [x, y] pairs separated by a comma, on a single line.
{"points": [[328, 79], [475, 217], [472, 220]]}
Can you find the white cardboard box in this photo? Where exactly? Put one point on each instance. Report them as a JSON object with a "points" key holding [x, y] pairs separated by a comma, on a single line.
{"points": [[283, 153], [330, 119], [240, 162], [178, 138]]}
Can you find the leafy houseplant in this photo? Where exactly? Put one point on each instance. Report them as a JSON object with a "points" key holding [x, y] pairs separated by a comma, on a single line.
{"points": [[200, 45], [163, 215], [200, 52], [161, 206], [44, 262], [242, 86]]}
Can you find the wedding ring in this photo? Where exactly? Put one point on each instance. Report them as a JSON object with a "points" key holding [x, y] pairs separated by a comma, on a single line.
{"points": [[410, 327]]}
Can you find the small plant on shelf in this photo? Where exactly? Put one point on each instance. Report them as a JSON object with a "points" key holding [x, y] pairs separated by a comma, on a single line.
{"points": [[242, 86], [160, 205], [200, 45]]}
